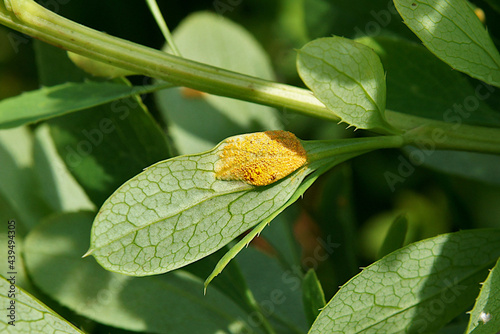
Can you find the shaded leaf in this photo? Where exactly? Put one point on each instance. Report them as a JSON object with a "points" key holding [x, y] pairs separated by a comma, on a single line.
{"points": [[197, 121], [395, 237], [158, 304], [335, 216], [313, 297], [400, 292], [276, 290], [280, 236], [475, 166], [17, 177]]}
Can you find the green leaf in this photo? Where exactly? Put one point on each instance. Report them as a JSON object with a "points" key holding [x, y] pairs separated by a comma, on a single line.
{"points": [[190, 213], [58, 187], [49, 102], [335, 216], [395, 237], [352, 18], [276, 290], [158, 304], [177, 211], [484, 316], [452, 31], [194, 124], [475, 166], [199, 122], [317, 168], [17, 178], [105, 145], [232, 282], [280, 236], [494, 4], [29, 315], [312, 295], [435, 93], [418, 288], [348, 78]]}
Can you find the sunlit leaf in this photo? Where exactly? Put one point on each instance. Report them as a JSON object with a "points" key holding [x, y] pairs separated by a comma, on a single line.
{"points": [[177, 212], [49, 102], [403, 291], [182, 209], [452, 31], [24, 313], [484, 317], [348, 78]]}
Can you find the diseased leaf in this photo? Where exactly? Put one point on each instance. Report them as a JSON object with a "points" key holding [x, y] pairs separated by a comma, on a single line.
{"points": [[29, 315], [345, 151], [177, 212], [348, 78], [402, 291], [452, 31], [484, 317]]}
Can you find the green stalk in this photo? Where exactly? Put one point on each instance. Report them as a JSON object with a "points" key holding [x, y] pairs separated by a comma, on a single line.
{"points": [[327, 149], [432, 134], [34, 20]]}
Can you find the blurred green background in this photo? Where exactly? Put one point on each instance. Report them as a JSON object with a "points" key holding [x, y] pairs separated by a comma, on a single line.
{"points": [[436, 201]]}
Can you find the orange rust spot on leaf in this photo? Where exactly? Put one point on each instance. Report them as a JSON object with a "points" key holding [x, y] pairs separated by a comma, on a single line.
{"points": [[260, 158]]}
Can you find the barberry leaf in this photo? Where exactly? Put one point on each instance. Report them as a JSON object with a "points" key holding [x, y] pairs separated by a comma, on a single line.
{"points": [[348, 78], [452, 31]]}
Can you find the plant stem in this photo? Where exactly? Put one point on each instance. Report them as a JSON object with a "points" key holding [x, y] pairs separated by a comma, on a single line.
{"points": [[34, 20], [326, 149], [40, 23]]}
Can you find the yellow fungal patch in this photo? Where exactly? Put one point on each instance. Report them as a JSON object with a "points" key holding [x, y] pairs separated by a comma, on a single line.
{"points": [[260, 158]]}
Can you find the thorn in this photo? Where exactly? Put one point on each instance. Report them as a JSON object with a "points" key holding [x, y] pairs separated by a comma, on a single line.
{"points": [[89, 252]]}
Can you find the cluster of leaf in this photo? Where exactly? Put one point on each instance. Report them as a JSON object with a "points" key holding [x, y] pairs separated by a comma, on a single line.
{"points": [[183, 217]]}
